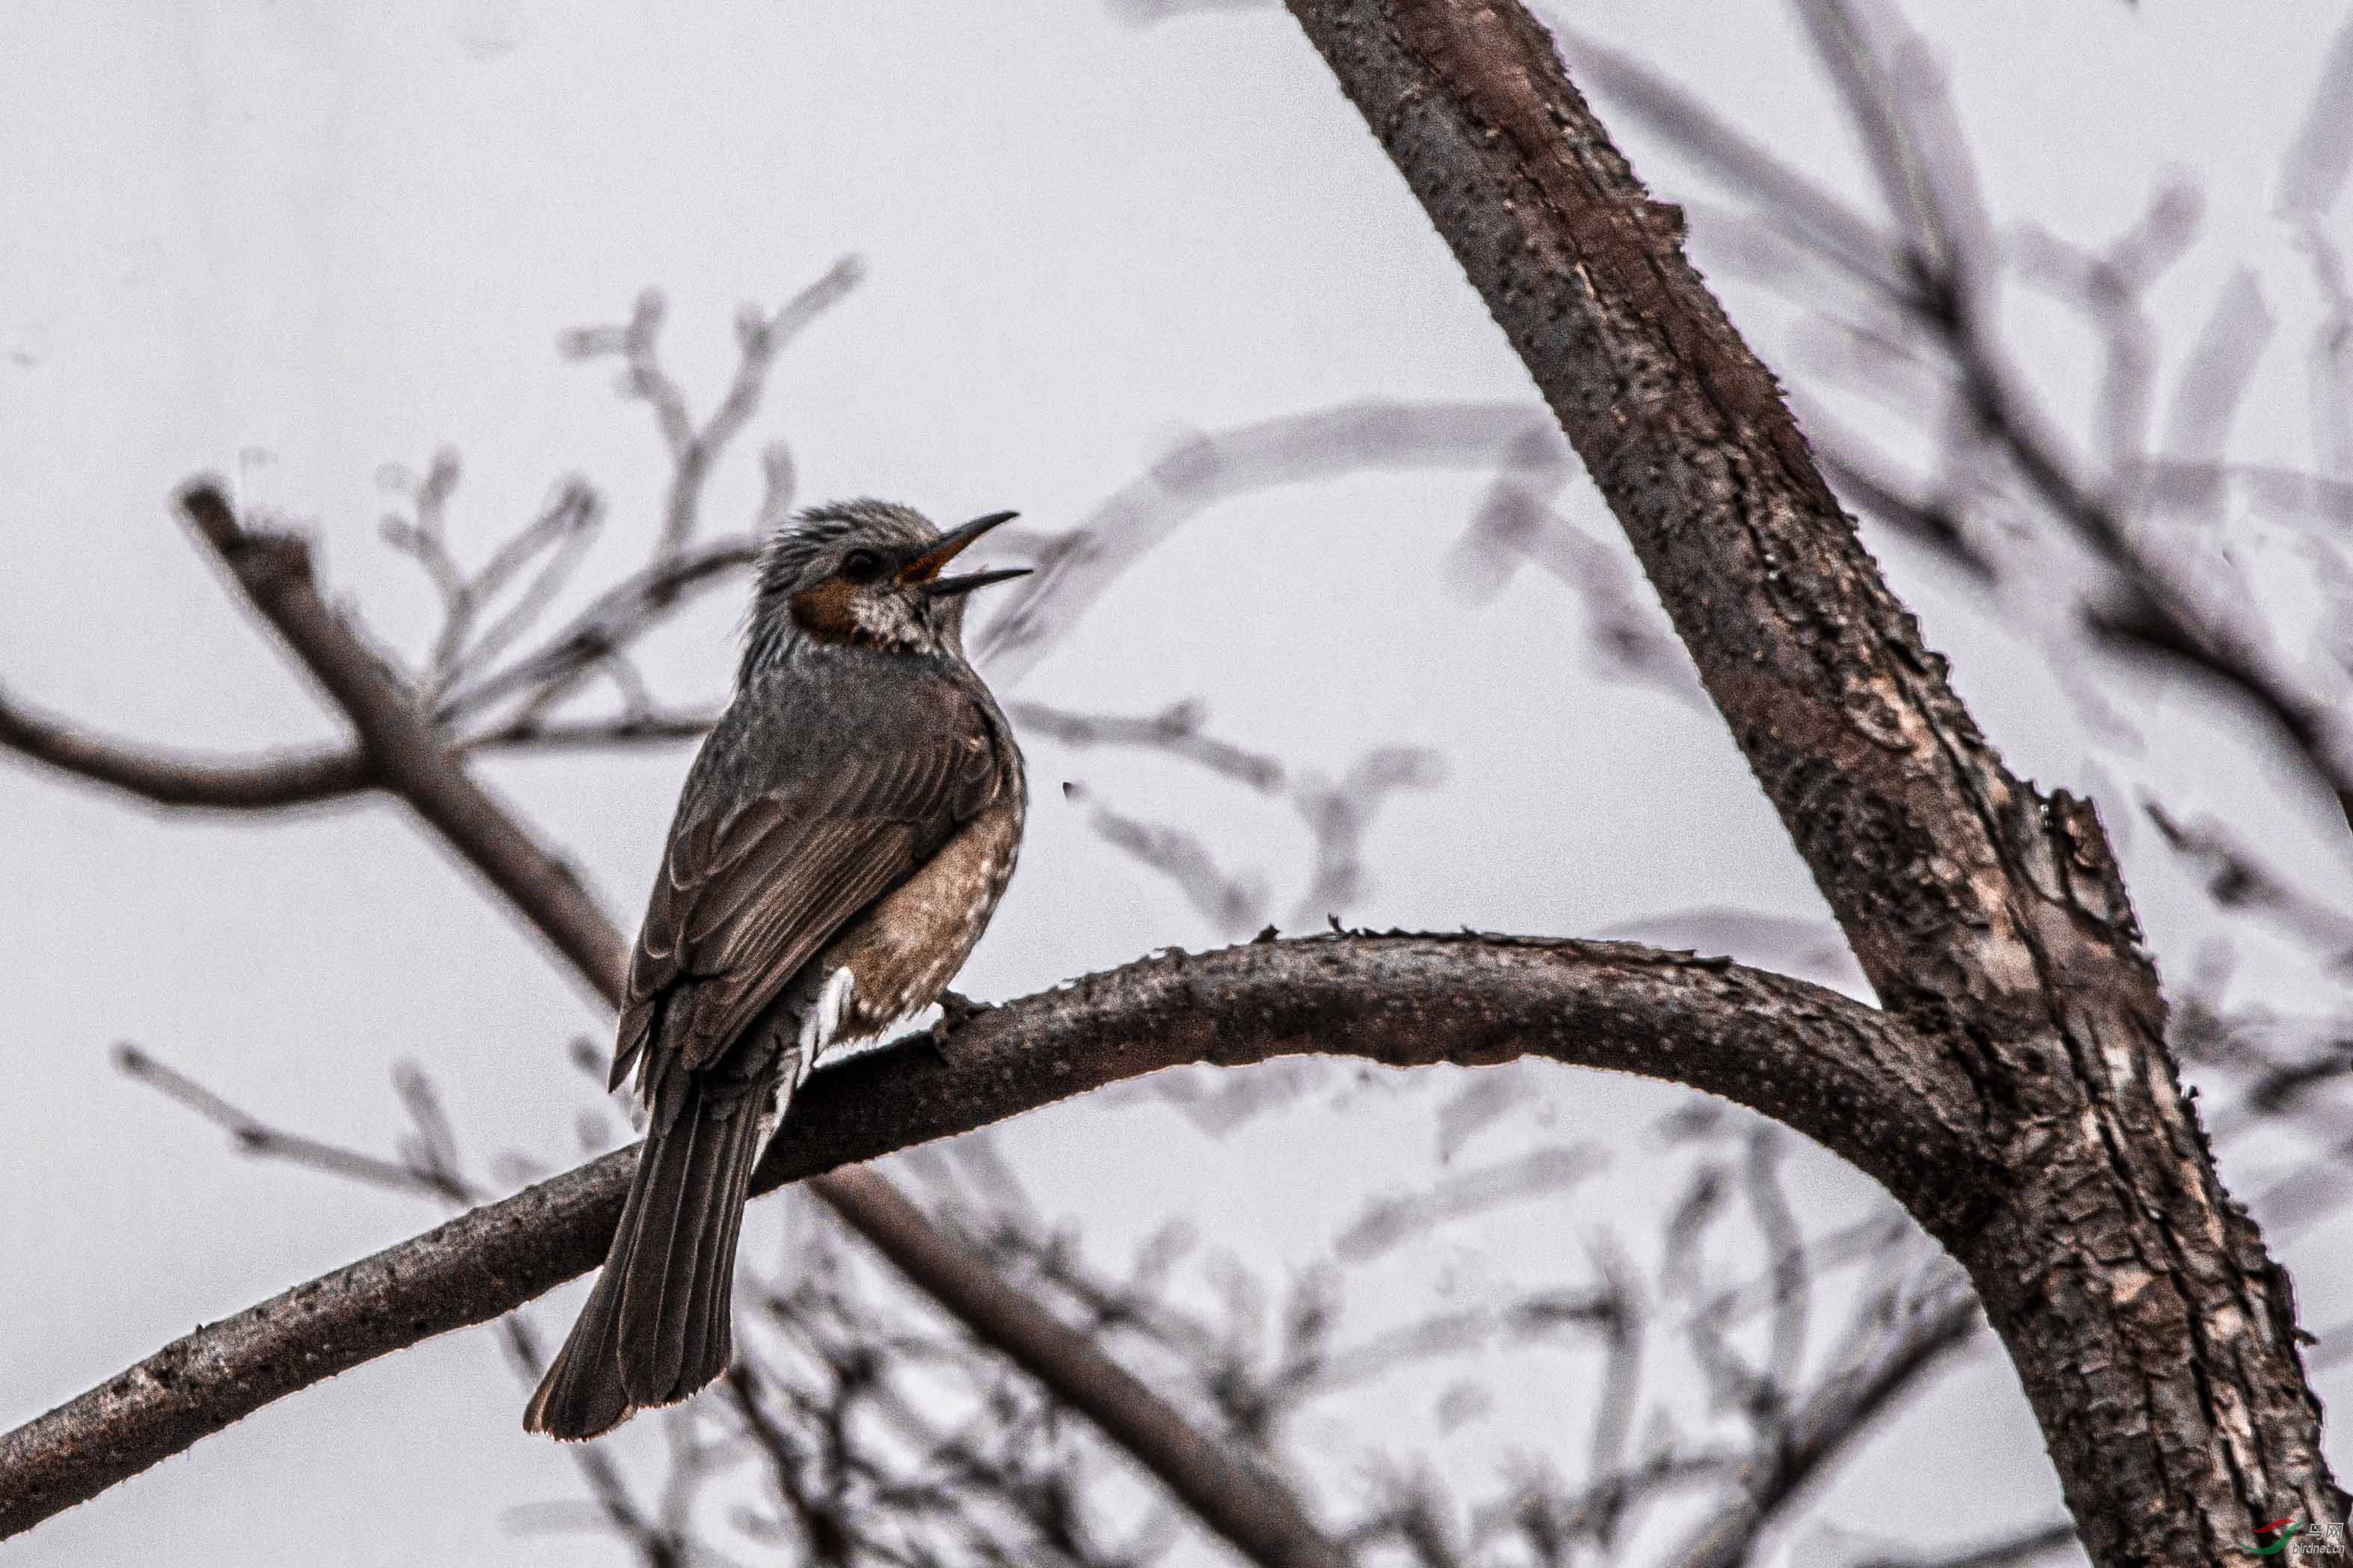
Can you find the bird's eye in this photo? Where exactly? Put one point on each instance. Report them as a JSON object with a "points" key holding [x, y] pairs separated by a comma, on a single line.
{"points": [[861, 566]]}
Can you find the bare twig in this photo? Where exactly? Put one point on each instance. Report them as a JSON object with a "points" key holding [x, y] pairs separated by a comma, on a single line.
{"points": [[1388, 1223], [2011, 1551], [760, 338], [262, 1141], [2313, 172], [2236, 877], [560, 533], [1176, 729], [616, 618], [1075, 568], [1231, 904], [1339, 813], [1631, 638], [1879, 1372], [261, 783]]}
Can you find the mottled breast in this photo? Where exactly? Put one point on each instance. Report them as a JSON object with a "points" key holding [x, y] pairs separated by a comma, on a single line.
{"points": [[905, 949]]}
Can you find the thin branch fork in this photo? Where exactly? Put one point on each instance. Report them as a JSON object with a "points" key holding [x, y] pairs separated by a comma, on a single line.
{"points": [[1847, 1075], [2153, 1333], [1832, 1419], [1917, 150], [1934, 277]]}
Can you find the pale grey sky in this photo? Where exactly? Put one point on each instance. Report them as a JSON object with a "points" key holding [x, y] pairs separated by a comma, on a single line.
{"points": [[296, 242]]}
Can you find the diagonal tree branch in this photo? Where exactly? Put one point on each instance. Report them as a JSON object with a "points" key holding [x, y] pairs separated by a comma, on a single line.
{"points": [[1262, 1518], [1244, 1504], [2015, 1551], [2154, 1335], [1827, 1424], [1848, 1076], [273, 571]]}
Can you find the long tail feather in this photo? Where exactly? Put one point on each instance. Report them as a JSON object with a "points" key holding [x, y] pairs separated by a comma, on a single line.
{"points": [[656, 1328]]}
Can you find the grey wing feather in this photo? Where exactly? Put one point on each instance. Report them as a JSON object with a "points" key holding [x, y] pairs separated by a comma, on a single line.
{"points": [[747, 896]]}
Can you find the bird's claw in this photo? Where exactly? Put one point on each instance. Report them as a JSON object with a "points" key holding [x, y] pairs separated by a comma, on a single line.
{"points": [[955, 1013]]}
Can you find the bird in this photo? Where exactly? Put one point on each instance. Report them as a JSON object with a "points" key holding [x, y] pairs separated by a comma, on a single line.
{"points": [[840, 842]]}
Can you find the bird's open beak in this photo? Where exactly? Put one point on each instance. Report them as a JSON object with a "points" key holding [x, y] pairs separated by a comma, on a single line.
{"points": [[923, 571], [947, 587]]}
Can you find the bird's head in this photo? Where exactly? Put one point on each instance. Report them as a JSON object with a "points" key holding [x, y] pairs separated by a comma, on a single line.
{"points": [[865, 573]]}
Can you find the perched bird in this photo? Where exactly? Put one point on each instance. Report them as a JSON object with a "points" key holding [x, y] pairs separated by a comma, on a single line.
{"points": [[841, 840]]}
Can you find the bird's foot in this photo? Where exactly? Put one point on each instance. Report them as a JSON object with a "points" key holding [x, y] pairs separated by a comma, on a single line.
{"points": [[955, 1013]]}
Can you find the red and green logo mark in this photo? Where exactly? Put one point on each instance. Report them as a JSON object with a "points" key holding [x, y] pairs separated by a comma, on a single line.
{"points": [[2312, 1540], [2271, 1538]]}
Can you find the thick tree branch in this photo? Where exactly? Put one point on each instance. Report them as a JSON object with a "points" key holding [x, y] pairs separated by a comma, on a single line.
{"points": [[1848, 1076], [2154, 1336]]}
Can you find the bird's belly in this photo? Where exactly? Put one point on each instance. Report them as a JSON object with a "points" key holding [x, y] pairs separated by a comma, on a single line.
{"points": [[905, 949]]}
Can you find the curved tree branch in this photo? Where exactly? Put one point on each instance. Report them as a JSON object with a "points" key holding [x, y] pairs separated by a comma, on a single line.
{"points": [[2154, 1335], [1851, 1077]]}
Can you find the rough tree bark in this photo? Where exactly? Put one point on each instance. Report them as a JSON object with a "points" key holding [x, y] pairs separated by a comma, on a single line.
{"points": [[2155, 1337]]}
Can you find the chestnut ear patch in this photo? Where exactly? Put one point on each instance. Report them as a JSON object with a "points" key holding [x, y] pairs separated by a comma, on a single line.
{"points": [[824, 612]]}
